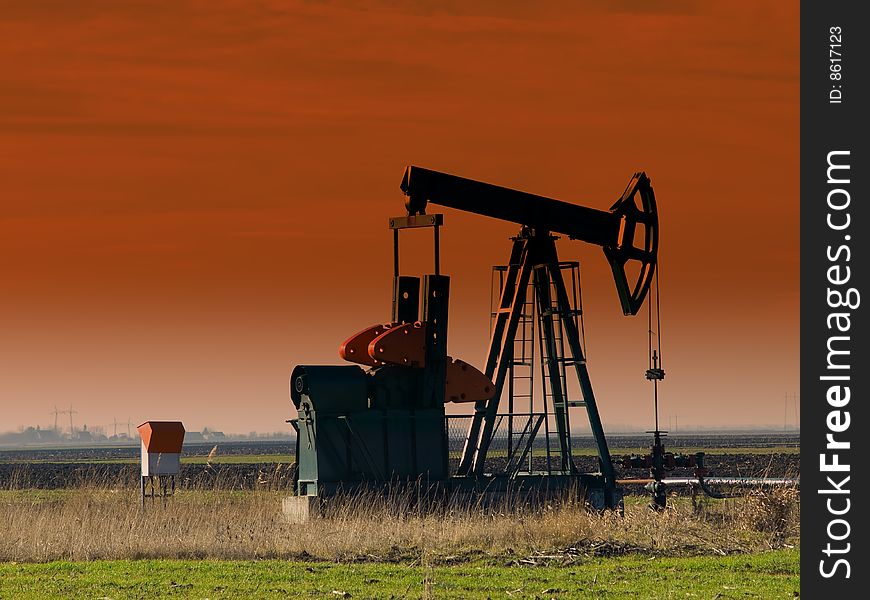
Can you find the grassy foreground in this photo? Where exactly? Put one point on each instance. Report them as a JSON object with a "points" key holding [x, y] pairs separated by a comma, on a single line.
{"points": [[767, 575], [97, 542], [90, 524]]}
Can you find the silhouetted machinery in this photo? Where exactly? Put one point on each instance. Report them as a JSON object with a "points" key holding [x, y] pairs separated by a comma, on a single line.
{"points": [[383, 418]]}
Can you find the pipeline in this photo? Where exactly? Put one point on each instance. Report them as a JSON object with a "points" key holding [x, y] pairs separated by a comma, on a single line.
{"points": [[704, 483], [658, 487]]}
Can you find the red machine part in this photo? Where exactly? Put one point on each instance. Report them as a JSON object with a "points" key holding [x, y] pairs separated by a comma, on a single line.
{"points": [[356, 348], [401, 345], [465, 383], [405, 345]]}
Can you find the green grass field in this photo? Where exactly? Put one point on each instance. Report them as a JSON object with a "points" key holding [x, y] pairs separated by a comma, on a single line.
{"points": [[768, 575]]}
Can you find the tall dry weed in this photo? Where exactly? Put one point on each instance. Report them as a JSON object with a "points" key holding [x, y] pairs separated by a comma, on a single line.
{"points": [[775, 511]]}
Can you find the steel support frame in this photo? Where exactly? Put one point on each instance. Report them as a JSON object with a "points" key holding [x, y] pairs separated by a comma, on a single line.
{"points": [[542, 278], [533, 249]]}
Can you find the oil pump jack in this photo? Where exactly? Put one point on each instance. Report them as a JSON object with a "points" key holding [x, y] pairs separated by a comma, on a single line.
{"points": [[387, 423]]}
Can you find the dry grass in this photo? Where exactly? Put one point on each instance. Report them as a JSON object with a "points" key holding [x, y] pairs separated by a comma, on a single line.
{"points": [[207, 476], [105, 522]]}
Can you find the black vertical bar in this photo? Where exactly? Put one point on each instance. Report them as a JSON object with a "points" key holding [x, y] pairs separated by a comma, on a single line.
{"points": [[406, 299], [395, 252], [834, 235], [436, 296], [395, 308], [436, 302], [437, 249]]}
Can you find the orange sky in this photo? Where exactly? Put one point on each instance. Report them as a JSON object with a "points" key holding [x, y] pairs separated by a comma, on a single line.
{"points": [[195, 195]]}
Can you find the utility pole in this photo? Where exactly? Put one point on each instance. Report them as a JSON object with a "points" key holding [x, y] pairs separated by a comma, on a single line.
{"points": [[71, 413], [788, 396], [797, 418], [794, 398]]}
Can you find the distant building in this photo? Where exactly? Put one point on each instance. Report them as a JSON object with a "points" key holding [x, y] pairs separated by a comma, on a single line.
{"points": [[30, 435], [210, 436], [193, 437]]}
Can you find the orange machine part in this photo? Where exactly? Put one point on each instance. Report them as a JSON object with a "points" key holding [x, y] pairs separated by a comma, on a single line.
{"points": [[401, 345], [356, 348], [162, 436], [465, 383]]}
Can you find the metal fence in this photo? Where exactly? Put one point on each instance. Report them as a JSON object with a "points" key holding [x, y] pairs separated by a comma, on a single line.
{"points": [[519, 443]]}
